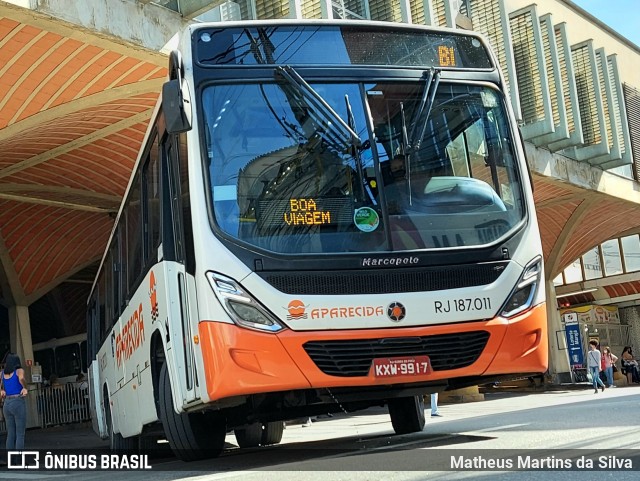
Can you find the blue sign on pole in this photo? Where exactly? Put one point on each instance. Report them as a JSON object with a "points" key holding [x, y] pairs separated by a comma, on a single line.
{"points": [[574, 342]]}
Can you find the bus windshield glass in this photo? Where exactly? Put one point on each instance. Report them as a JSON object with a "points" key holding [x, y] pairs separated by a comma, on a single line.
{"points": [[295, 169], [349, 45]]}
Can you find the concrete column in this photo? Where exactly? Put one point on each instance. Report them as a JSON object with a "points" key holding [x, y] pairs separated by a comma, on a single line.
{"points": [[559, 367], [20, 335]]}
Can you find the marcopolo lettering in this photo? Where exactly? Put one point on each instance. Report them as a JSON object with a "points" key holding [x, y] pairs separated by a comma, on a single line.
{"points": [[389, 261]]}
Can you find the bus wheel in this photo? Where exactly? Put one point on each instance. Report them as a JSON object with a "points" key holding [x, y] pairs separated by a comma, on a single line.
{"points": [[407, 414], [272, 433], [249, 437], [191, 436]]}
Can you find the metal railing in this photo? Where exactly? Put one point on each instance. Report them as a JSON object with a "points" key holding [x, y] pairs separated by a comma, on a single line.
{"points": [[54, 406], [62, 404]]}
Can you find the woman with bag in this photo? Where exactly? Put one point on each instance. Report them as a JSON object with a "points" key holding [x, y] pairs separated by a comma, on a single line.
{"points": [[13, 392], [608, 360]]}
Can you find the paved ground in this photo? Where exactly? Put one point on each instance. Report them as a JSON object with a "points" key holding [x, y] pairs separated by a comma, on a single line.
{"points": [[81, 436], [73, 436]]}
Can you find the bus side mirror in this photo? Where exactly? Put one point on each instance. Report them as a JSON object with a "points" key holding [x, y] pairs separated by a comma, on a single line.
{"points": [[176, 105], [176, 100]]}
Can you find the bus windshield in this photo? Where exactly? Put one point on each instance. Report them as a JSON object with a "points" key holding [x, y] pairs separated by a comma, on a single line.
{"points": [[295, 168]]}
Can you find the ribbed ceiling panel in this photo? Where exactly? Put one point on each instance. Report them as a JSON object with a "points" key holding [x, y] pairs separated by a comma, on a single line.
{"points": [[417, 11], [615, 105], [632, 103], [586, 95], [485, 16], [603, 78], [311, 9], [551, 73], [527, 70], [564, 77]]}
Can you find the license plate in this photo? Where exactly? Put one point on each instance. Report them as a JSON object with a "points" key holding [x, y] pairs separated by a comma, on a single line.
{"points": [[401, 366]]}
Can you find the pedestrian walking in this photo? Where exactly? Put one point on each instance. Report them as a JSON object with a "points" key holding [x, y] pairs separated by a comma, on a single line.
{"points": [[14, 391], [608, 360], [435, 413], [593, 363]]}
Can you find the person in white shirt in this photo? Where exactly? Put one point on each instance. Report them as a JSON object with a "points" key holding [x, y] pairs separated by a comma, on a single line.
{"points": [[593, 363]]}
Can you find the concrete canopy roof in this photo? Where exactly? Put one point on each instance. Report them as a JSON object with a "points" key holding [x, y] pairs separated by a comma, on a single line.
{"points": [[74, 106]]}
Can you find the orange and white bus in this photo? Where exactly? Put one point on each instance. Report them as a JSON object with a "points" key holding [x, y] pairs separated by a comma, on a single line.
{"points": [[324, 216]]}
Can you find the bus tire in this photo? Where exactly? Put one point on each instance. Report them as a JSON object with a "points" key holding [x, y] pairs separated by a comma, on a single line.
{"points": [[407, 414], [191, 436], [151, 445], [272, 433], [250, 436]]}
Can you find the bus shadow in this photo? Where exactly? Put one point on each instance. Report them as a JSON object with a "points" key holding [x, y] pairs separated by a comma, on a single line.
{"points": [[329, 454]]}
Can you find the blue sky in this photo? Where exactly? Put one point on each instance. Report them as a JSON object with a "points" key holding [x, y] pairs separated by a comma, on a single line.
{"points": [[623, 16]]}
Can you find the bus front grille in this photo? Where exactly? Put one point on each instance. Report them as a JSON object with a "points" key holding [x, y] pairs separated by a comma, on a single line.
{"points": [[385, 281], [349, 358]]}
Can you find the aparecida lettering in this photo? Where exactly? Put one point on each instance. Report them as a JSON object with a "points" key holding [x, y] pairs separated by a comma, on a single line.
{"points": [[345, 312]]}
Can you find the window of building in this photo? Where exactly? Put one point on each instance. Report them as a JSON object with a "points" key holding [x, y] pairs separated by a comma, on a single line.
{"points": [[611, 256], [592, 264], [631, 252], [573, 273]]}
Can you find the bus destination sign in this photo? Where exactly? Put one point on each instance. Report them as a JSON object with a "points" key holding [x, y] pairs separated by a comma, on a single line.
{"points": [[304, 212]]}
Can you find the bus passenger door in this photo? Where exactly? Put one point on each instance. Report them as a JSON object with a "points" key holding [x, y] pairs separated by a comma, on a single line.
{"points": [[179, 263], [96, 407]]}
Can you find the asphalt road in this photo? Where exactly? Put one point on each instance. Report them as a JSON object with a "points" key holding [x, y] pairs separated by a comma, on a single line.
{"points": [[568, 435]]}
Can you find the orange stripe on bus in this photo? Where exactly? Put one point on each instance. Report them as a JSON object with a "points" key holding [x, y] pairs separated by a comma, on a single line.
{"points": [[239, 361]]}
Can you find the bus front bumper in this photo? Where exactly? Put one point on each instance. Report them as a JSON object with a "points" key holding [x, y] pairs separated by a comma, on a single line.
{"points": [[240, 361]]}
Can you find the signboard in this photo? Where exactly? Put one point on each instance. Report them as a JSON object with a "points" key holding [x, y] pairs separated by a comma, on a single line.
{"points": [[36, 373], [594, 314], [574, 340]]}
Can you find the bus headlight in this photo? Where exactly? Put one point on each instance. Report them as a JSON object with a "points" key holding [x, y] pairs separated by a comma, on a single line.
{"points": [[241, 306], [525, 291]]}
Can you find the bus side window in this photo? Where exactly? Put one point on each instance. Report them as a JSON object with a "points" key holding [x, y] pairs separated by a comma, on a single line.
{"points": [[151, 201], [186, 204], [123, 266], [101, 322], [134, 238], [115, 268], [169, 247], [177, 212], [108, 296]]}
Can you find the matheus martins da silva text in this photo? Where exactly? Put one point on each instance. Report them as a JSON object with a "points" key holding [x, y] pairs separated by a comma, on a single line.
{"points": [[546, 462]]}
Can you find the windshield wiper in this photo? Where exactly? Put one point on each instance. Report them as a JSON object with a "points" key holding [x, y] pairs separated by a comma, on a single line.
{"points": [[302, 93], [356, 153], [423, 111]]}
